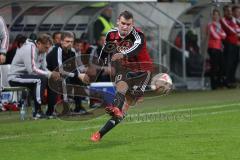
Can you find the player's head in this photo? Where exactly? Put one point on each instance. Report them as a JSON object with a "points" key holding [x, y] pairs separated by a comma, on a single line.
{"points": [[44, 42], [125, 23], [67, 39]]}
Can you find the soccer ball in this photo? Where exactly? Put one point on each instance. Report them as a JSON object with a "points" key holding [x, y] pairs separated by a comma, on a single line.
{"points": [[161, 83]]}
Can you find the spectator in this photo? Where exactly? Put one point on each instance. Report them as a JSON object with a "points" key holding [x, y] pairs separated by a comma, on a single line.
{"points": [[86, 54], [100, 42], [103, 24], [56, 38], [4, 40], [236, 19], [33, 37], [18, 42], [104, 76], [57, 59], [216, 35], [28, 69], [194, 62], [231, 50]]}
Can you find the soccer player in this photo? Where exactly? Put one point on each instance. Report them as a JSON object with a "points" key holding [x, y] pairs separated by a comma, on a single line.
{"points": [[125, 48]]}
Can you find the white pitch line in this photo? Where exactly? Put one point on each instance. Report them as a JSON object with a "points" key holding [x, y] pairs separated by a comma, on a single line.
{"points": [[98, 126], [181, 110]]}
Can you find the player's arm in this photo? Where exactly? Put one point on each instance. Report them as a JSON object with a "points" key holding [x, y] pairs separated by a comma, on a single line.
{"points": [[30, 63], [137, 46], [4, 36], [132, 51], [4, 40]]}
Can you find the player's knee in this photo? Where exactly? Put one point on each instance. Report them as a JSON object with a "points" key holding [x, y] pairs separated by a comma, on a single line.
{"points": [[122, 86]]}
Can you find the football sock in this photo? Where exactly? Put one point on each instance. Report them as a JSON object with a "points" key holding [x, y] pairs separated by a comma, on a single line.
{"points": [[111, 123]]}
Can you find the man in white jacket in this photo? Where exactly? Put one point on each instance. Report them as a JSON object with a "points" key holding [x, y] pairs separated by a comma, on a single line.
{"points": [[4, 40], [29, 69]]}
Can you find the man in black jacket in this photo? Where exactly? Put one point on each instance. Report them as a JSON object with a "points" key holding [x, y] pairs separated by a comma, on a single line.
{"points": [[62, 58]]}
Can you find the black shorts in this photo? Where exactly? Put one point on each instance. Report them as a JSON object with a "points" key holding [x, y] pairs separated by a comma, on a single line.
{"points": [[137, 82]]}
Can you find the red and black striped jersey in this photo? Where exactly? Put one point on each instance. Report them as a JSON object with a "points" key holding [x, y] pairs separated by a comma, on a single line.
{"points": [[133, 46]]}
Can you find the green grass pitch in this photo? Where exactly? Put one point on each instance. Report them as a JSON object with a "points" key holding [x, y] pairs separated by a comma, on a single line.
{"points": [[181, 126]]}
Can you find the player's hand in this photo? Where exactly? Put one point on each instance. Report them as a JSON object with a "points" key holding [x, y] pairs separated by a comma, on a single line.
{"points": [[84, 78], [55, 75], [117, 56], [2, 58]]}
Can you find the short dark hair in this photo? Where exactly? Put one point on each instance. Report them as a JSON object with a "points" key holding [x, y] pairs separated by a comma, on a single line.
{"points": [[44, 39], [235, 7], [55, 34], [216, 11], [126, 15], [33, 36], [67, 34], [77, 40], [226, 7], [20, 39]]}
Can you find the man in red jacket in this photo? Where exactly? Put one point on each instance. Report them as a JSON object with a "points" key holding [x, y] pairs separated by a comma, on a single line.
{"points": [[125, 49], [231, 49], [215, 37]]}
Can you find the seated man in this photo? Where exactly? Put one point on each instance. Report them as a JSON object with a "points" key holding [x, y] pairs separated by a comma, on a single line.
{"points": [[86, 55], [28, 69], [62, 58]]}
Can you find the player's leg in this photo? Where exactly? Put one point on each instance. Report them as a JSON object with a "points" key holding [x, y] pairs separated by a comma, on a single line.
{"points": [[109, 125], [137, 84], [116, 108]]}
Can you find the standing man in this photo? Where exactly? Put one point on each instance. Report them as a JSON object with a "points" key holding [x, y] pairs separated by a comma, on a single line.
{"points": [[231, 51], [103, 24], [4, 40], [28, 69], [236, 19], [126, 48], [215, 47]]}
